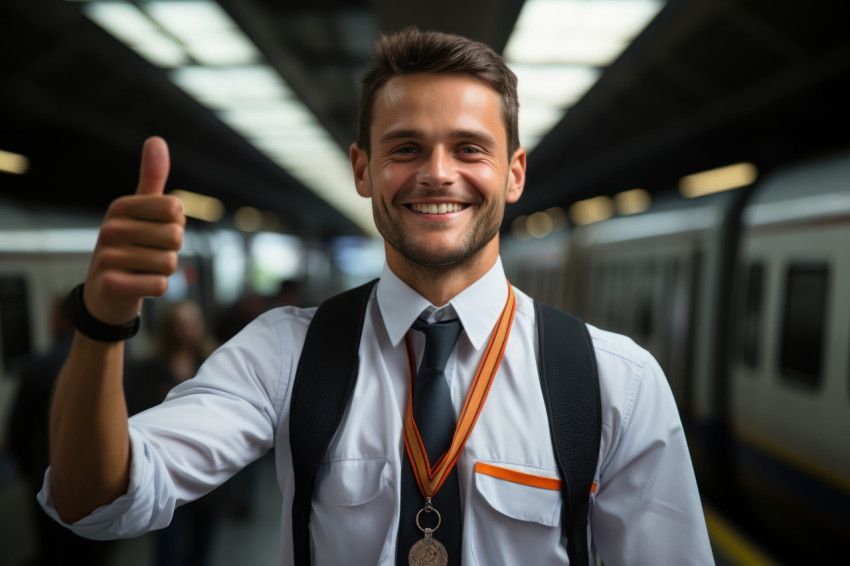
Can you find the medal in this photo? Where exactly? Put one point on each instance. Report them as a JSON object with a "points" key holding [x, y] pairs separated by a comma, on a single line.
{"points": [[428, 551]]}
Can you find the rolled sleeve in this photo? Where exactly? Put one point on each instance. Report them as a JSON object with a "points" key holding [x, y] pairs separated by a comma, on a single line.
{"points": [[208, 428], [128, 515]]}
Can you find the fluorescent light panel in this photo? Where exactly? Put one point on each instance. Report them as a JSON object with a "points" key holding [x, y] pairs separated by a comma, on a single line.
{"points": [[215, 63], [200, 206], [14, 163], [557, 48], [591, 210], [226, 87], [718, 180], [206, 31], [633, 201], [130, 25]]}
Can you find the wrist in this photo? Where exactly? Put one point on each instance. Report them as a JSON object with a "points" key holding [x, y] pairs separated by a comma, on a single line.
{"points": [[88, 325]]}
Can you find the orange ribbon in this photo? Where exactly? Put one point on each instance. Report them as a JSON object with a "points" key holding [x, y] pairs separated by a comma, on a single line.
{"points": [[431, 477]]}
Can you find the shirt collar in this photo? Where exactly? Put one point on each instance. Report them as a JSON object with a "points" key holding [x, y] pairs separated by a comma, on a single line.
{"points": [[478, 306]]}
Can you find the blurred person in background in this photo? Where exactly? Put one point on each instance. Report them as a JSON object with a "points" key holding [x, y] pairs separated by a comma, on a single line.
{"points": [[28, 443]]}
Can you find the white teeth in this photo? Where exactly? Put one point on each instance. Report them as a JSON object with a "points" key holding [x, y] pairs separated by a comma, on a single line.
{"points": [[432, 208]]}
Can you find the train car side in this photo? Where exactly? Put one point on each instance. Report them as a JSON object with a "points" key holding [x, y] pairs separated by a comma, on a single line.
{"points": [[790, 372]]}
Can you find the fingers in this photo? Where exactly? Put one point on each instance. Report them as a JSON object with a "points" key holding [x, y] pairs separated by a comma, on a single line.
{"points": [[155, 166], [138, 243], [162, 208], [134, 264], [129, 232]]}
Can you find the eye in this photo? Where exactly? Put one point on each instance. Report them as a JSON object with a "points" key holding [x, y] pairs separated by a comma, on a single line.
{"points": [[469, 150], [404, 151]]}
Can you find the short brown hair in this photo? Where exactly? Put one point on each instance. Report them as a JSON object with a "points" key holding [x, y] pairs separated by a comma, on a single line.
{"points": [[413, 51]]}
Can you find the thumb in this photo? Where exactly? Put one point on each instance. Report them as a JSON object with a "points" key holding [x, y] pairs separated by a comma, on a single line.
{"points": [[154, 168]]}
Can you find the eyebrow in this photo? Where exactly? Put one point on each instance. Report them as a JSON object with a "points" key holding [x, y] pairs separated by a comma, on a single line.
{"points": [[481, 136]]}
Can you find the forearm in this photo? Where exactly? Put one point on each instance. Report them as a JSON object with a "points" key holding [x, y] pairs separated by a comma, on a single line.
{"points": [[136, 252], [89, 438]]}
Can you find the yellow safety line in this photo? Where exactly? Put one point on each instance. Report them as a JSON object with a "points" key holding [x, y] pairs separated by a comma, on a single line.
{"points": [[732, 544], [793, 458]]}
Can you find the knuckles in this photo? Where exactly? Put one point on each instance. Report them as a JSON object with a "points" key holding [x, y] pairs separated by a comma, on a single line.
{"points": [[173, 234], [171, 263], [159, 208]]}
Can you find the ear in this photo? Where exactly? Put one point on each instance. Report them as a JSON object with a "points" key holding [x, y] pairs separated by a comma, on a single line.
{"points": [[360, 168], [516, 179]]}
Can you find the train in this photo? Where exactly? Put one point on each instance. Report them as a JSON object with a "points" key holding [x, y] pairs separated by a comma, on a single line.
{"points": [[744, 299]]}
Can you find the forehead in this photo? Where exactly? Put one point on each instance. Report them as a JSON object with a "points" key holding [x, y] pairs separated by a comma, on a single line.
{"points": [[430, 102]]}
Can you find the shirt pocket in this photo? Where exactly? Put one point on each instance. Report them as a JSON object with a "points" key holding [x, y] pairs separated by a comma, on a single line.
{"points": [[352, 511], [516, 515]]}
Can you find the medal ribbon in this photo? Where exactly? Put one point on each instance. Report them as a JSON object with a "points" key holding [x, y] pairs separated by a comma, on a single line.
{"points": [[431, 477]]}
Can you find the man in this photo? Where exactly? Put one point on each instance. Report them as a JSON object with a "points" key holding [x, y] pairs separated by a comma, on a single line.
{"points": [[438, 154]]}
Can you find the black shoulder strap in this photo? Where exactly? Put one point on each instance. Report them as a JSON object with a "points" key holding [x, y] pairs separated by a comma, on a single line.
{"points": [[570, 383], [323, 387], [320, 395]]}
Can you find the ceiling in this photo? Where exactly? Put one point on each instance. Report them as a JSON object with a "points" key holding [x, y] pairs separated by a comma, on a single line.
{"points": [[707, 84]]}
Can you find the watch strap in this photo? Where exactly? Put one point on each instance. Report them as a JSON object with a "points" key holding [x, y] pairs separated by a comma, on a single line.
{"points": [[85, 323]]}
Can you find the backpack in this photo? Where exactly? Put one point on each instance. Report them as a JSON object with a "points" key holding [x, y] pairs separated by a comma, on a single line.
{"points": [[325, 380]]}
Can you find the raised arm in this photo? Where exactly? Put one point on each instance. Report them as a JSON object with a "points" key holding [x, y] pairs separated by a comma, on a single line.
{"points": [[136, 251]]}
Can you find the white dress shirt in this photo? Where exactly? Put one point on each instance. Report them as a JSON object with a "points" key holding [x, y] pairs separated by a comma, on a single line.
{"points": [[646, 509]]}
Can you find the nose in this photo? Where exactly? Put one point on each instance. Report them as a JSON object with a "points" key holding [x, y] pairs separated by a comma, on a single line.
{"points": [[438, 169]]}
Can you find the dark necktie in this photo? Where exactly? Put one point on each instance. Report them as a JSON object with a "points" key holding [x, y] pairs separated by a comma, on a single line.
{"points": [[435, 420]]}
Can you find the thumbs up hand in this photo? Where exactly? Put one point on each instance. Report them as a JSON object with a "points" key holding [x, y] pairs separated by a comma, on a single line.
{"points": [[137, 245]]}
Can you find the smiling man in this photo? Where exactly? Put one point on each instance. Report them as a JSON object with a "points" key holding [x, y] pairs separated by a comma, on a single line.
{"points": [[439, 171], [450, 463]]}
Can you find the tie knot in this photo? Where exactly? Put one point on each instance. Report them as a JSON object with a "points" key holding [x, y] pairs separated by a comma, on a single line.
{"points": [[440, 339]]}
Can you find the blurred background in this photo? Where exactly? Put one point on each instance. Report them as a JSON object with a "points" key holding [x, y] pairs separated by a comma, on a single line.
{"points": [[688, 185]]}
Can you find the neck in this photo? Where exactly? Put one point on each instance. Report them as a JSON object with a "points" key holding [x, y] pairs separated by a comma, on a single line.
{"points": [[439, 284]]}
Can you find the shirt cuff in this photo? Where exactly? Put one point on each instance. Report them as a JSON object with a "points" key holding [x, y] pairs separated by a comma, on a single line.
{"points": [[105, 522]]}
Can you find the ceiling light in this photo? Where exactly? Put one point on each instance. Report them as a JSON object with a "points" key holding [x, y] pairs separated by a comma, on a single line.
{"points": [[558, 85], [199, 206], [630, 202], [519, 228], [558, 216], [14, 163], [591, 210], [718, 180], [226, 87], [592, 32], [557, 50], [539, 225], [232, 80], [248, 219], [130, 25], [209, 35]]}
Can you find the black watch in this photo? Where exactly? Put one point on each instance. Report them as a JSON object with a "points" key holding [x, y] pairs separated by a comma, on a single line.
{"points": [[83, 321]]}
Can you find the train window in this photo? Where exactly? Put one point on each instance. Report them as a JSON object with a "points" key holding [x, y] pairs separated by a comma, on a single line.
{"points": [[751, 315], [14, 320], [803, 323]]}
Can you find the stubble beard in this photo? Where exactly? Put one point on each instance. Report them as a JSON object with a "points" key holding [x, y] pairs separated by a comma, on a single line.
{"points": [[438, 260]]}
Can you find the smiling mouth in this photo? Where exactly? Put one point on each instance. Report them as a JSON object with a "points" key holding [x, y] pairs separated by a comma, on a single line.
{"points": [[437, 208]]}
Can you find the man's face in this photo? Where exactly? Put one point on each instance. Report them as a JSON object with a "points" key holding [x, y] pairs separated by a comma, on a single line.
{"points": [[439, 174]]}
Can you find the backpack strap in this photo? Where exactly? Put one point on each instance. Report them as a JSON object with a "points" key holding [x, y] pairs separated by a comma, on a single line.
{"points": [[320, 395], [568, 377], [570, 383]]}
